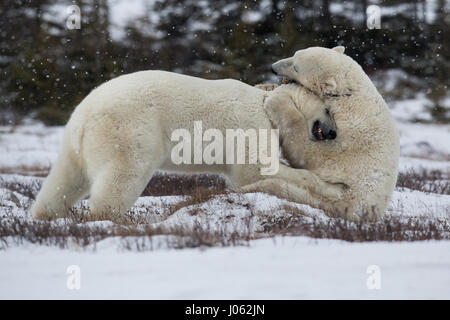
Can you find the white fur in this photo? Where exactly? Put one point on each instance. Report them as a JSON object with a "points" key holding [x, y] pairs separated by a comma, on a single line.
{"points": [[120, 133], [365, 154]]}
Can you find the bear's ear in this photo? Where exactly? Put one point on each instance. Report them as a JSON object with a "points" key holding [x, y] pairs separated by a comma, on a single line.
{"points": [[339, 49]]}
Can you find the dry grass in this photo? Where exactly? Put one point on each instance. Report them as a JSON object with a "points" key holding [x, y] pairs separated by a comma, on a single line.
{"points": [[27, 189], [36, 171], [140, 234], [433, 181], [71, 233], [389, 228]]}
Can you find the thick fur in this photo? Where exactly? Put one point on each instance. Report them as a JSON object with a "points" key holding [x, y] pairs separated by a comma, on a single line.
{"points": [[365, 154], [120, 133]]}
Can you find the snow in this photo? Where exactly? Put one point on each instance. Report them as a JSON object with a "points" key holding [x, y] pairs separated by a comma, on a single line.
{"points": [[268, 268], [412, 109], [409, 163], [252, 16], [280, 268], [415, 203], [425, 141], [347, 9], [30, 145]]}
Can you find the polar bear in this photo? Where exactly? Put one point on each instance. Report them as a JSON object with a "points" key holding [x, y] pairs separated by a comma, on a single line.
{"points": [[365, 154], [120, 134]]}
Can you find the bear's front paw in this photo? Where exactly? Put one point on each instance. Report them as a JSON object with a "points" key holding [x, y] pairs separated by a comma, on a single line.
{"points": [[330, 191]]}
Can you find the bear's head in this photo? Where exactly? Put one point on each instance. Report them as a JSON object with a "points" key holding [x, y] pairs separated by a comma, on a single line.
{"points": [[327, 72]]}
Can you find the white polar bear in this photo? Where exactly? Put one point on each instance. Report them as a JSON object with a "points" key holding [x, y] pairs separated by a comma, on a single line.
{"points": [[120, 134], [365, 154]]}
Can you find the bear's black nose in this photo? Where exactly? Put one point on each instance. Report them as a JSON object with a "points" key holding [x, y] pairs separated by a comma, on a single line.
{"points": [[331, 135], [273, 70], [321, 131]]}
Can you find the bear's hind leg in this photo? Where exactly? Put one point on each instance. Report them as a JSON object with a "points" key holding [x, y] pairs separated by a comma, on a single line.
{"points": [[115, 190], [65, 184]]}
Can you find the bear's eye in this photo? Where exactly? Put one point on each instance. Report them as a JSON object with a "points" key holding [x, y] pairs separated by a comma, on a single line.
{"points": [[327, 111], [295, 68]]}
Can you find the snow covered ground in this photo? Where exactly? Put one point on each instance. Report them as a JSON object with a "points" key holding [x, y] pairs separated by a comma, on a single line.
{"points": [[280, 268], [292, 267]]}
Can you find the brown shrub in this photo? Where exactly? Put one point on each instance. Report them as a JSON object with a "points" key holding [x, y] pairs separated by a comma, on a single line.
{"points": [[433, 181]]}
